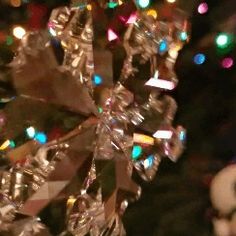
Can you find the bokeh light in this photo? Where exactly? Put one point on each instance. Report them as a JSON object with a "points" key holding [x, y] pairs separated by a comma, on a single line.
{"points": [[222, 40], [152, 12], [147, 163], [15, 3], [112, 4], [41, 137], [136, 152], [97, 80], [111, 35], [163, 46], [202, 8], [143, 3], [171, 1], [19, 32], [9, 40], [199, 58], [183, 36], [30, 132], [227, 62]]}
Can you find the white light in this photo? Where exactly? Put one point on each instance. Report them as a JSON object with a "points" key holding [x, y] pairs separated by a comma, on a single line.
{"points": [[30, 132], [160, 83], [19, 32], [163, 134], [171, 1], [52, 32]]}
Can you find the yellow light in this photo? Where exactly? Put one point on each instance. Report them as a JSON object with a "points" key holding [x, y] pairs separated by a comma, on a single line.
{"points": [[19, 32], [15, 3], [89, 7], [70, 202], [171, 1], [152, 13], [120, 2], [141, 138], [5, 145]]}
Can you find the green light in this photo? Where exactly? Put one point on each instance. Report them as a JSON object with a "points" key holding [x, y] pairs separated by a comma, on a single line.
{"points": [[9, 40], [12, 144], [223, 40], [100, 110], [136, 152], [112, 4]]}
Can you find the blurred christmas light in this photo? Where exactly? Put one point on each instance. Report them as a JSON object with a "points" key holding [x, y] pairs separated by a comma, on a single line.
{"points": [[52, 32], [222, 40], [171, 1], [19, 32], [202, 8], [199, 58], [152, 12], [15, 3], [227, 62], [182, 135], [30, 132], [141, 138], [132, 19], [9, 40], [163, 134], [112, 4], [97, 80], [163, 46], [5, 145], [41, 137], [100, 110], [12, 144], [147, 163], [136, 152], [89, 7], [143, 3], [183, 36], [111, 35]]}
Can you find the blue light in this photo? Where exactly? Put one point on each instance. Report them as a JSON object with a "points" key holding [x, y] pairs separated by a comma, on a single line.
{"points": [[163, 46], [199, 59], [147, 163], [97, 80], [182, 136], [41, 137], [143, 3], [30, 132]]}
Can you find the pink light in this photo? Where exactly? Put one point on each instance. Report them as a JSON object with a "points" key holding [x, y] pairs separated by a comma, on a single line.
{"points": [[132, 19], [203, 8], [111, 35], [227, 62]]}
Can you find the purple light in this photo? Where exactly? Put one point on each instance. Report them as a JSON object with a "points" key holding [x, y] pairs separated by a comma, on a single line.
{"points": [[202, 8], [227, 62]]}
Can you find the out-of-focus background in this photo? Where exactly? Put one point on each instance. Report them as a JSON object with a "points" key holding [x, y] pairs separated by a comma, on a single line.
{"points": [[177, 202]]}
